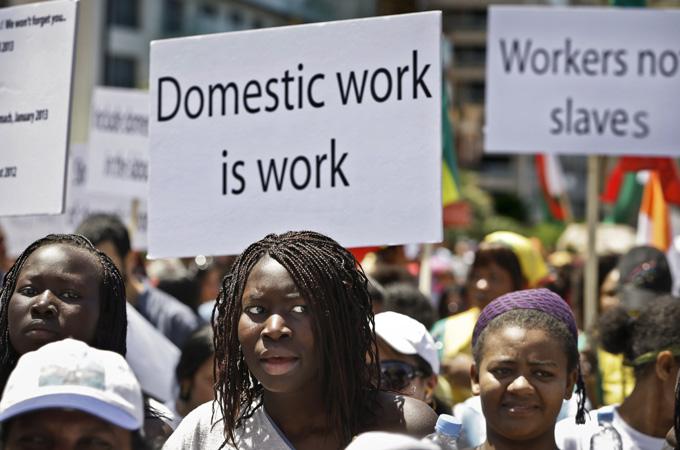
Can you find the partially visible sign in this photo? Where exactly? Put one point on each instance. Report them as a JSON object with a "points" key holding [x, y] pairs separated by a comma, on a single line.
{"points": [[118, 142], [36, 66], [21, 231], [583, 81], [334, 127]]}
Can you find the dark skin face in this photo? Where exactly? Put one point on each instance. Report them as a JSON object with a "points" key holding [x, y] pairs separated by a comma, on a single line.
{"points": [[488, 282], [57, 295], [54, 429], [199, 387], [421, 388], [275, 330], [277, 339], [522, 380]]}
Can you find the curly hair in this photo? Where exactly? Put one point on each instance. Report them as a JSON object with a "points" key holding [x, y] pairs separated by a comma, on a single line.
{"points": [[335, 287], [112, 325], [652, 331]]}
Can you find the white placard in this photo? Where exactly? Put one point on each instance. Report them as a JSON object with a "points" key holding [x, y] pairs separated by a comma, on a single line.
{"points": [[21, 231], [334, 127], [583, 81], [119, 143], [36, 65]]}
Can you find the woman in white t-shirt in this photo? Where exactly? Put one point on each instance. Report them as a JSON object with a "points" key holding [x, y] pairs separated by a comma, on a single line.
{"points": [[295, 355], [651, 344]]}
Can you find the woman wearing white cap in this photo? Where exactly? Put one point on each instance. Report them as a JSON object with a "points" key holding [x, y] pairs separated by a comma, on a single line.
{"points": [[408, 356]]}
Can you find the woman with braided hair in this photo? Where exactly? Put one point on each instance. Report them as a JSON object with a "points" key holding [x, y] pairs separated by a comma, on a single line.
{"points": [[296, 363], [59, 287]]}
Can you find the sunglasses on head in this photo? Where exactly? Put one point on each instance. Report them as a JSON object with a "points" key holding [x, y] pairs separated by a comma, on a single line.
{"points": [[396, 375]]}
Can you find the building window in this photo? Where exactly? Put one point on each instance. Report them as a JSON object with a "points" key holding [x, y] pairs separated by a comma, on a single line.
{"points": [[236, 18], [172, 16], [470, 56], [208, 10], [119, 71], [123, 12]]}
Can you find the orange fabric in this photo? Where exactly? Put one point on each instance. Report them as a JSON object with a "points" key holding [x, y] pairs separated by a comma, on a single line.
{"points": [[655, 208]]}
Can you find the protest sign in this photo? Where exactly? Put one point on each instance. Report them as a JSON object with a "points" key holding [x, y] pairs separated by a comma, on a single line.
{"points": [[36, 65], [583, 81], [333, 127], [21, 231], [118, 142]]}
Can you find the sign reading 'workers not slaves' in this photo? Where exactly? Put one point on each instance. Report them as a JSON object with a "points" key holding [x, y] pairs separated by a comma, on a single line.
{"points": [[583, 81], [333, 127]]}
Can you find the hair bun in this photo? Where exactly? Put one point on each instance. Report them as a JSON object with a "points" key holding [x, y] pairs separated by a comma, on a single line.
{"points": [[616, 330]]}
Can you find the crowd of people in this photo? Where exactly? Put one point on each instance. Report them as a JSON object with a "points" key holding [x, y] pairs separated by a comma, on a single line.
{"points": [[295, 343]]}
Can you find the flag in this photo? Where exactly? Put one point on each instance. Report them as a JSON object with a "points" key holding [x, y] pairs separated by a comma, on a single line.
{"points": [[450, 178], [553, 185], [653, 221], [625, 191], [666, 168]]}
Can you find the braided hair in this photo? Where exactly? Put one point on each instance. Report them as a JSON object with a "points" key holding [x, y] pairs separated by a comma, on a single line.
{"points": [[335, 288], [112, 325]]}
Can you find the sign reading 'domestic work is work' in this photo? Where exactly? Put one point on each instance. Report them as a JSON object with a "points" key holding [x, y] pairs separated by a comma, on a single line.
{"points": [[583, 81], [36, 66], [119, 143], [332, 127]]}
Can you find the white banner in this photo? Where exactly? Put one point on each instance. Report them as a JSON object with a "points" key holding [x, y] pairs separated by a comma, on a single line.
{"points": [[583, 81], [36, 65], [21, 231], [334, 127], [118, 142]]}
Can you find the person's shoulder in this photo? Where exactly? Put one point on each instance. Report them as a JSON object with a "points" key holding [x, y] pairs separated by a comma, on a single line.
{"points": [[208, 413], [169, 304], [406, 415], [200, 429], [157, 295]]}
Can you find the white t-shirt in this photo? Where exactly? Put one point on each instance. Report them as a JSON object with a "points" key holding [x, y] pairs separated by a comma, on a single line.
{"points": [[196, 432], [570, 436]]}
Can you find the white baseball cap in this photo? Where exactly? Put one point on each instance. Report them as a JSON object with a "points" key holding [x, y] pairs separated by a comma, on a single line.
{"points": [[407, 336], [70, 374]]}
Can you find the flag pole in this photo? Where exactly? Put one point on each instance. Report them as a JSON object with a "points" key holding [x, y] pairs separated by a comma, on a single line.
{"points": [[590, 286], [425, 275]]}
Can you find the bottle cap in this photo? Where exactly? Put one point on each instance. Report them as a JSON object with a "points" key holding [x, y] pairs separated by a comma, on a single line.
{"points": [[447, 424], [605, 416]]}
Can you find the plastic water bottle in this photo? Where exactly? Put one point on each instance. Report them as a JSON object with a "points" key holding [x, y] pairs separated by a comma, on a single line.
{"points": [[446, 432], [607, 438]]}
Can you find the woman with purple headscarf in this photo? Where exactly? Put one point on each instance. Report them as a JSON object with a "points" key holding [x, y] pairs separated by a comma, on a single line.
{"points": [[526, 365]]}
